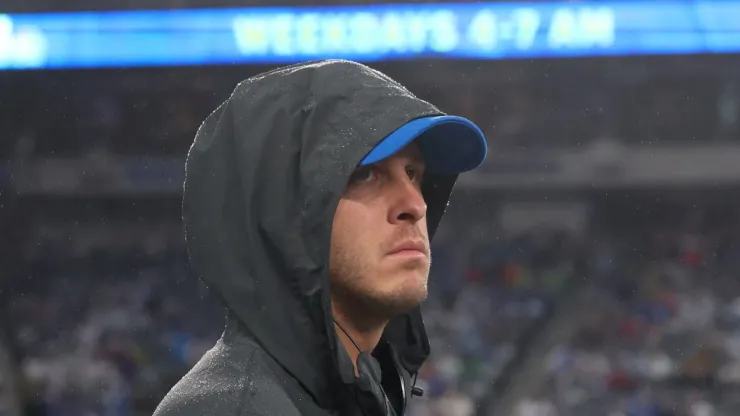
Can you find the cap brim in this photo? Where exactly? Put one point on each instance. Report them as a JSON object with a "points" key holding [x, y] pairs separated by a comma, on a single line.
{"points": [[449, 144]]}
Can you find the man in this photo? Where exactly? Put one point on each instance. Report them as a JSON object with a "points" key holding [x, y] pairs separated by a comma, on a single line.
{"points": [[309, 200]]}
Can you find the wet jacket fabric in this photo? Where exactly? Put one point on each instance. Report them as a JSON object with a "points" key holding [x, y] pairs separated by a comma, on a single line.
{"points": [[263, 179]]}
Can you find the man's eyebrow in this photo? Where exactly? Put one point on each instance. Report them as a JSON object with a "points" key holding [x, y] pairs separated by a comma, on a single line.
{"points": [[417, 160]]}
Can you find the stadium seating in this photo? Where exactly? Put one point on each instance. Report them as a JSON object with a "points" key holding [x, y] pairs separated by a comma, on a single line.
{"points": [[109, 323]]}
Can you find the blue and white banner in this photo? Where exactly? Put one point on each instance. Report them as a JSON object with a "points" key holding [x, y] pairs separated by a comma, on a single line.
{"points": [[368, 33]]}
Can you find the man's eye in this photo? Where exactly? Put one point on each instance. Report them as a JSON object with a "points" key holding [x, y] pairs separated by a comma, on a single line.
{"points": [[362, 174], [412, 174], [415, 174]]}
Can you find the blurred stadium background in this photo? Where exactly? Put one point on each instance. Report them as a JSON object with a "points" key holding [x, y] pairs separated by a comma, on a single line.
{"points": [[591, 267]]}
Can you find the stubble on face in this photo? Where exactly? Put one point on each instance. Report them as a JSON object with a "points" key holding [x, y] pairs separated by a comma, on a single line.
{"points": [[381, 211], [358, 281]]}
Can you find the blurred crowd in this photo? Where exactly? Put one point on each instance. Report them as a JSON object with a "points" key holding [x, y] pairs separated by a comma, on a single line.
{"points": [[478, 311], [156, 113], [661, 335], [102, 323], [108, 317]]}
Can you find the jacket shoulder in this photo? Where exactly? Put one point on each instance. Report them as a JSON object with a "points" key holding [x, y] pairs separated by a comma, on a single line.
{"points": [[232, 379]]}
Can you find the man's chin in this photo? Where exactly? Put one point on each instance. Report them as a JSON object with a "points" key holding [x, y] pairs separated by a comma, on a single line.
{"points": [[393, 304], [399, 294]]}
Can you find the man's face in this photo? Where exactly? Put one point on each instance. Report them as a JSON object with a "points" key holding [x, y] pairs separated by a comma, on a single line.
{"points": [[379, 258]]}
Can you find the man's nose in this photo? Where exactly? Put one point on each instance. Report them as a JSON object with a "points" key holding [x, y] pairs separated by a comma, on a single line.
{"points": [[408, 203]]}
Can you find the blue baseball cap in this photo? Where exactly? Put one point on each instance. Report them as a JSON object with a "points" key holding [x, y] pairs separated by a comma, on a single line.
{"points": [[449, 144]]}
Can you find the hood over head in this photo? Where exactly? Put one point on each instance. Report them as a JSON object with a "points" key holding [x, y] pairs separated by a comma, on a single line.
{"points": [[263, 180]]}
